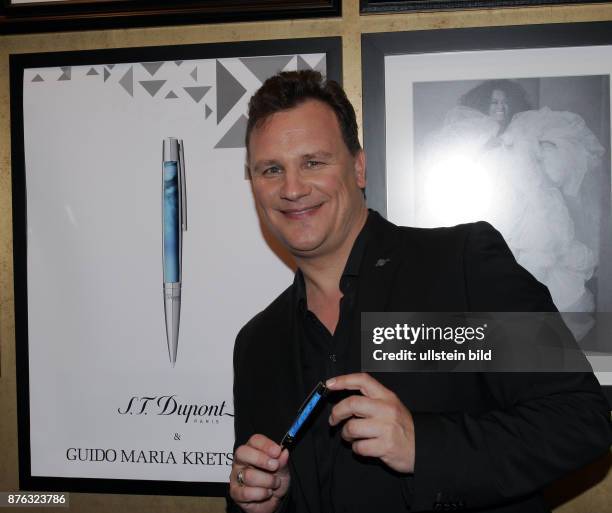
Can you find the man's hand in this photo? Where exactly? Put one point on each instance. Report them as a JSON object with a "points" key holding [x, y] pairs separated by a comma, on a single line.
{"points": [[260, 475], [378, 424]]}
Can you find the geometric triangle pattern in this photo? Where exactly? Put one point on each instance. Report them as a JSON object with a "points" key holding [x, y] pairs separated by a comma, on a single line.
{"points": [[302, 64], [321, 67], [234, 137], [127, 81], [152, 86], [228, 87], [152, 67], [197, 92], [66, 72], [229, 91], [265, 67]]}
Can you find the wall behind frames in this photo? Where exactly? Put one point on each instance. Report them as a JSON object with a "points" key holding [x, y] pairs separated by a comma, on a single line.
{"points": [[569, 495]]}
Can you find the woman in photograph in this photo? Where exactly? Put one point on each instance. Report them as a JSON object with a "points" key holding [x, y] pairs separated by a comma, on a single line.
{"points": [[519, 169]]}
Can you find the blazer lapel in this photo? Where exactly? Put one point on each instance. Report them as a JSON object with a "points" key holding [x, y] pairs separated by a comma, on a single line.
{"points": [[377, 275]]}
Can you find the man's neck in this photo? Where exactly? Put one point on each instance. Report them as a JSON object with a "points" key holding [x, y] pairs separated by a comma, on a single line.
{"points": [[322, 274]]}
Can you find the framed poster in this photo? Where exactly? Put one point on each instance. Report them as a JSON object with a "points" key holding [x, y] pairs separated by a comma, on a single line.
{"points": [[510, 125], [124, 356], [380, 6], [19, 16]]}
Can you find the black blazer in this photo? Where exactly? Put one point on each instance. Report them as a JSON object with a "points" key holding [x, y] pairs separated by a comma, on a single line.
{"points": [[487, 441]]}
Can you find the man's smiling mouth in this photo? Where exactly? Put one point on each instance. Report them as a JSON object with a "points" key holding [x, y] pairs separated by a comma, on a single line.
{"points": [[300, 213]]}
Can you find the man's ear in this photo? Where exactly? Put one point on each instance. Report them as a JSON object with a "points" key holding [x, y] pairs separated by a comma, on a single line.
{"points": [[360, 169]]}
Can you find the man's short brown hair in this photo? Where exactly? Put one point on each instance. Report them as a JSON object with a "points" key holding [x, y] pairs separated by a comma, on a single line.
{"points": [[289, 89]]}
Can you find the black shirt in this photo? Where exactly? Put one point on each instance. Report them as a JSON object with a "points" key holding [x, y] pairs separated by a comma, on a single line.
{"points": [[324, 355]]}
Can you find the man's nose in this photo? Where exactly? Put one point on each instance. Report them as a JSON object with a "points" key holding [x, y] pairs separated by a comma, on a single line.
{"points": [[294, 186]]}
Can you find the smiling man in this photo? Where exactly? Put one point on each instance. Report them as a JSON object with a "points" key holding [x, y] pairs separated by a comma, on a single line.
{"points": [[391, 441], [306, 181]]}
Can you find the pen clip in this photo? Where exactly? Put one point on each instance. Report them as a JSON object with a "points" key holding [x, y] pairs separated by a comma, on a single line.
{"points": [[182, 187]]}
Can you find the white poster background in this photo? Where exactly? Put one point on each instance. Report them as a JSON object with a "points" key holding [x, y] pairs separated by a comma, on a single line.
{"points": [[402, 71], [95, 305]]}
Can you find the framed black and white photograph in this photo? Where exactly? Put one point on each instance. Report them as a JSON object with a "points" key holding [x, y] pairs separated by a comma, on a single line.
{"points": [[509, 125], [19, 16], [132, 213], [387, 6]]}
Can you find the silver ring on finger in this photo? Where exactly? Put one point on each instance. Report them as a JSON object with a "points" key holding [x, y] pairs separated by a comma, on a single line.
{"points": [[240, 478]]}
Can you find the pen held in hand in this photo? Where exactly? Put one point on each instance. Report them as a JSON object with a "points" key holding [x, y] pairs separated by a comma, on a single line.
{"points": [[308, 406]]}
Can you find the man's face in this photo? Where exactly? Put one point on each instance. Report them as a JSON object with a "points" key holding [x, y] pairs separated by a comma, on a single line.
{"points": [[307, 185]]}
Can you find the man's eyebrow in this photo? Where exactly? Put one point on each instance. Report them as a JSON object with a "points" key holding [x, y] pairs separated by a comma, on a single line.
{"points": [[318, 154]]}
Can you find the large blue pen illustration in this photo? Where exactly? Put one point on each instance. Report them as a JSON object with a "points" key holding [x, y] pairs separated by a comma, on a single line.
{"points": [[174, 222]]}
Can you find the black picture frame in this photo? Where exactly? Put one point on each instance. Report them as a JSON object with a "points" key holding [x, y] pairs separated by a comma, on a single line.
{"points": [[384, 6], [68, 15], [331, 46], [376, 46]]}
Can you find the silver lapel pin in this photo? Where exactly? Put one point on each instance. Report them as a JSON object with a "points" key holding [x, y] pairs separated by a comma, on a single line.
{"points": [[381, 261]]}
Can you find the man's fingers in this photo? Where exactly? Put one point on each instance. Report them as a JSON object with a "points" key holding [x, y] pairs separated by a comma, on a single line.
{"points": [[262, 468], [357, 429], [361, 381], [250, 456], [357, 406], [257, 485], [283, 459], [252, 477], [371, 447], [250, 493], [264, 444]]}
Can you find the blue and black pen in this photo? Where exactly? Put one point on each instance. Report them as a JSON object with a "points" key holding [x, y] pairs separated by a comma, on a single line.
{"points": [[304, 412]]}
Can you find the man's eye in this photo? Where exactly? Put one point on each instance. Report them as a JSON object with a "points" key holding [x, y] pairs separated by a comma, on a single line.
{"points": [[313, 163], [272, 170]]}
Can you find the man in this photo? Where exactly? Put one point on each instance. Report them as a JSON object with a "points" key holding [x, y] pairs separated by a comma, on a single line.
{"points": [[391, 441]]}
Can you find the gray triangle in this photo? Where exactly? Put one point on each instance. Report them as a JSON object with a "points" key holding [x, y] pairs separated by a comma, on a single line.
{"points": [[106, 74], [92, 72], [110, 66], [302, 64], [37, 78], [127, 81], [152, 86], [229, 91], [178, 63], [66, 73], [234, 137], [152, 67], [265, 67], [207, 111], [321, 67], [197, 92], [194, 73], [171, 94]]}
